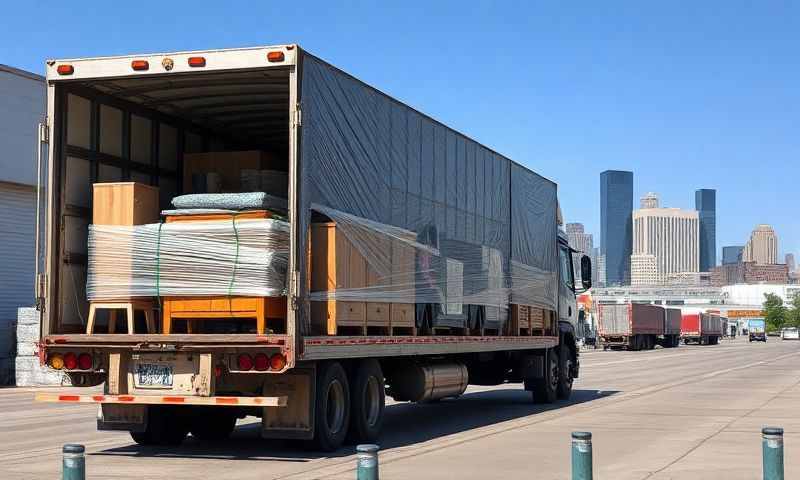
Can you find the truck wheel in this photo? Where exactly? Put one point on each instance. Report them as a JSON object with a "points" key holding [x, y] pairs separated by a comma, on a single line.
{"points": [[332, 407], [164, 427], [565, 379], [367, 402], [213, 426], [545, 390]]}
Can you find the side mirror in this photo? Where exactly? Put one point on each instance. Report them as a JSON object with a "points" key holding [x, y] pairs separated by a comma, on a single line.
{"points": [[586, 272]]}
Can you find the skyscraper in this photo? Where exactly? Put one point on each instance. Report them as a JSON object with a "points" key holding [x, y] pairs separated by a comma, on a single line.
{"points": [[581, 241], [670, 236], [705, 202], [649, 201], [790, 263], [732, 254], [762, 248], [616, 207]]}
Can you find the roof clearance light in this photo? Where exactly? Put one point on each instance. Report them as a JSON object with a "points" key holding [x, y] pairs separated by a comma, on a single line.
{"points": [[275, 56], [140, 65], [65, 69], [197, 61]]}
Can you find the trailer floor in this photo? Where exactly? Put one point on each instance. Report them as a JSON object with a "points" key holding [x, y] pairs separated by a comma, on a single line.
{"points": [[687, 412]]}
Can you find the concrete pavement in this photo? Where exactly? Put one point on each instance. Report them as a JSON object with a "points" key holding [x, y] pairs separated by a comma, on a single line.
{"points": [[690, 412]]}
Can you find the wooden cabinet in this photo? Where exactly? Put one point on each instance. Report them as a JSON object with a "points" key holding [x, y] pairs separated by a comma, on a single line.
{"points": [[125, 203]]}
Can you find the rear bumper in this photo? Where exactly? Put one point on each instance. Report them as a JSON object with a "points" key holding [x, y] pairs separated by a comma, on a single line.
{"points": [[163, 400]]}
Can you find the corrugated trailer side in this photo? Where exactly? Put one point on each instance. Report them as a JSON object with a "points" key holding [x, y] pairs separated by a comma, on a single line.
{"points": [[647, 319], [672, 321], [710, 324], [613, 319]]}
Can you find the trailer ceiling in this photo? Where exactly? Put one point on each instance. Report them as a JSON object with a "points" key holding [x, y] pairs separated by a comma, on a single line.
{"points": [[251, 107]]}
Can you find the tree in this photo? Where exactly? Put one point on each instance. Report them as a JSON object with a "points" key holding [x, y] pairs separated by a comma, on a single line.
{"points": [[775, 313], [793, 315]]}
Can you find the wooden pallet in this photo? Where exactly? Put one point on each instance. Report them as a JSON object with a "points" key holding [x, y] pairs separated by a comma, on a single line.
{"points": [[526, 320]]}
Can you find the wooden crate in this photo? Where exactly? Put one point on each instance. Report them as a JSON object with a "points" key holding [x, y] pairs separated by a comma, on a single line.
{"points": [[260, 309], [402, 318], [228, 165], [124, 203]]}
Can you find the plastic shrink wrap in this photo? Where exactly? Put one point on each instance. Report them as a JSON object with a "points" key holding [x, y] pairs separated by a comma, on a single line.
{"points": [[246, 257]]}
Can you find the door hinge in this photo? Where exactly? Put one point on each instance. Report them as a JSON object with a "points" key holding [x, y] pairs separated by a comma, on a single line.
{"points": [[298, 118], [44, 131]]}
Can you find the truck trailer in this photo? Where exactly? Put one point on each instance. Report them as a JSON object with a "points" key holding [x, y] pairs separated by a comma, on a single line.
{"points": [[701, 328], [756, 330], [672, 328], [486, 293], [632, 326]]}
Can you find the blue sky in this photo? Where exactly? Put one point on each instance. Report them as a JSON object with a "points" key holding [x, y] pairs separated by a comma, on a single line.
{"points": [[686, 94]]}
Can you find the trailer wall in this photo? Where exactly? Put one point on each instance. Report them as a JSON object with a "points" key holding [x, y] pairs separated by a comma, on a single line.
{"points": [[710, 324], [672, 321], [482, 228]]}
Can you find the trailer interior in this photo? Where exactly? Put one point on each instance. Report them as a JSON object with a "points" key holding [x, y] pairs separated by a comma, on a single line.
{"points": [[140, 129]]}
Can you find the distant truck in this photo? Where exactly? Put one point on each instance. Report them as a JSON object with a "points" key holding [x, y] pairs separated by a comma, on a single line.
{"points": [[636, 326], [701, 328], [757, 329], [672, 328]]}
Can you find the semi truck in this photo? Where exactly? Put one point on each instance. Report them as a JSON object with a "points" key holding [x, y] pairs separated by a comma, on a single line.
{"points": [[701, 328], [352, 155], [756, 330], [633, 326]]}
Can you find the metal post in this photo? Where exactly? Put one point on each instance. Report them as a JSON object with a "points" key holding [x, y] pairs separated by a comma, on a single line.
{"points": [[367, 468], [772, 449], [74, 463], [581, 456]]}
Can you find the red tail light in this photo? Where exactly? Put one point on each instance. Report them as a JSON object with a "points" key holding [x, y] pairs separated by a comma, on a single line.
{"points": [[262, 362], [277, 362], [70, 361], [197, 61], [245, 362], [275, 56], [85, 361], [140, 65], [65, 69]]}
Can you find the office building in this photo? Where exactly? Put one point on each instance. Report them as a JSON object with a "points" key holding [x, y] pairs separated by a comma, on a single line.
{"points": [[650, 200], [596, 266], [750, 273], [644, 270], [732, 254], [762, 248], [705, 202], [616, 206], [582, 242], [601, 270], [790, 263], [672, 236]]}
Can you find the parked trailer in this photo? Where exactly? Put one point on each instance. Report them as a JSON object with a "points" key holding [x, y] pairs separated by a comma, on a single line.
{"points": [[350, 153], [631, 325], [672, 328], [701, 328]]}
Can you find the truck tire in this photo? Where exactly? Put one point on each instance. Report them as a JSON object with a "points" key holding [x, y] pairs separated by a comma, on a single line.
{"points": [[367, 402], [565, 378], [332, 407], [545, 390], [212, 426], [164, 427]]}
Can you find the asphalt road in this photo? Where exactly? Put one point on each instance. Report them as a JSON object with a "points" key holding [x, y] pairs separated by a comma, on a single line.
{"points": [[691, 412]]}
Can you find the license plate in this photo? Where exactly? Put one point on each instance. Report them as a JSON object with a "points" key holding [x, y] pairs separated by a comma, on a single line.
{"points": [[157, 375]]}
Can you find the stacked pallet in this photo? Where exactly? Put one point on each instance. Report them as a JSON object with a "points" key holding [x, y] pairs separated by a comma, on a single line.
{"points": [[352, 295], [527, 320], [27, 369]]}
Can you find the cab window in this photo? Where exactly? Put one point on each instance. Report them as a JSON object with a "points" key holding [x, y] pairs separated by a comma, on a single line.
{"points": [[567, 275]]}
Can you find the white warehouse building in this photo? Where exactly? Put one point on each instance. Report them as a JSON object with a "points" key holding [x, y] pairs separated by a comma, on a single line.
{"points": [[22, 105]]}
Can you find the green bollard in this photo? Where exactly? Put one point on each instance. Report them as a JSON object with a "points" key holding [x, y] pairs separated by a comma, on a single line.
{"points": [[581, 456], [772, 449], [367, 466], [74, 463]]}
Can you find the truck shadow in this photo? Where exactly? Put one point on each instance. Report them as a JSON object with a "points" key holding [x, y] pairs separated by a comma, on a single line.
{"points": [[404, 424]]}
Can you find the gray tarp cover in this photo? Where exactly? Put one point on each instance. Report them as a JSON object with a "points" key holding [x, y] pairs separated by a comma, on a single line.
{"points": [[378, 167]]}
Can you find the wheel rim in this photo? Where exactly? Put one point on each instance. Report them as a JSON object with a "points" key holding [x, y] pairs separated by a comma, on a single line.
{"points": [[372, 402], [335, 415], [553, 373], [568, 373]]}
